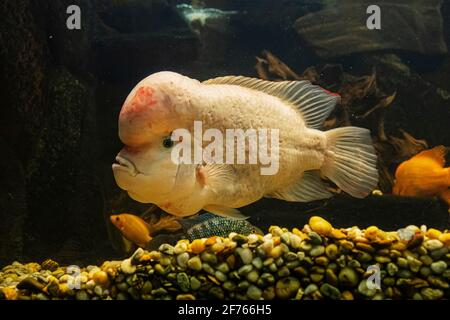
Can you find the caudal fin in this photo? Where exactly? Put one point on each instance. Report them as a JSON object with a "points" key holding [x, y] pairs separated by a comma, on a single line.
{"points": [[351, 162]]}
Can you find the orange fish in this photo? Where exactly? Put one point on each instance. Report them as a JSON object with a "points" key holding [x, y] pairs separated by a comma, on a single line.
{"points": [[424, 175], [138, 231]]}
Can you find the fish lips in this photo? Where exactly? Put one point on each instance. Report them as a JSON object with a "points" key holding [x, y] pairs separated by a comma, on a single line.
{"points": [[125, 165]]}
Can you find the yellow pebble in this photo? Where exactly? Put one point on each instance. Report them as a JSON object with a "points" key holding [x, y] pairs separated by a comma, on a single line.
{"points": [[377, 192], [10, 293], [320, 225], [210, 241], [372, 232], [338, 234], [299, 233], [100, 277], [445, 238], [197, 246], [347, 295], [433, 233], [399, 246]]}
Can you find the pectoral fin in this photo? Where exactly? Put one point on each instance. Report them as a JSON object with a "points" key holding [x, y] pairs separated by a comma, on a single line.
{"points": [[225, 212]]}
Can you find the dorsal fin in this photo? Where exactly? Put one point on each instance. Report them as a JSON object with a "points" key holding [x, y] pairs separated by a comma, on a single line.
{"points": [[314, 103], [437, 154]]}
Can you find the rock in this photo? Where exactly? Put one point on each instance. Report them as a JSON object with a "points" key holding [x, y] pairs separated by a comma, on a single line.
{"points": [[332, 251], [287, 288], [217, 293], [185, 297], [209, 258], [431, 294], [364, 290], [329, 40], [314, 238], [195, 284], [320, 225], [433, 244], [311, 289], [330, 291], [391, 269], [183, 282], [167, 249], [317, 251], [348, 277], [127, 267], [182, 260], [195, 263], [82, 295], [31, 284], [245, 254], [254, 293]]}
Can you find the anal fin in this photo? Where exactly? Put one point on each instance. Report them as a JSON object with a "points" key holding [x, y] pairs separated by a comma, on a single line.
{"points": [[309, 188]]}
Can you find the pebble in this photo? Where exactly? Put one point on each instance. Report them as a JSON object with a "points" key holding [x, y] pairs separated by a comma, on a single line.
{"points": [[348, 277], [197, 246], [180, 248], [320, 225], [364, 290], [330, 291], [82, 295], [431, 294], [311, 288], [208, 258], [314, 238], [127, 267], [183, 282], [433, 244], [195, 263], [185, 297], [287, 288], [317, 251], [245, 254], [254, 293], [195, 283], [182, 260], [438, 267]]}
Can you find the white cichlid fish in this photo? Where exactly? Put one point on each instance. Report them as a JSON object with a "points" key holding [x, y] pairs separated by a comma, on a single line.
{"points": [[167, 101]]}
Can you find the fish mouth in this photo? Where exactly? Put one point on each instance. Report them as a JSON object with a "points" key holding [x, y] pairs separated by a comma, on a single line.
{"points": [[125, 165]]}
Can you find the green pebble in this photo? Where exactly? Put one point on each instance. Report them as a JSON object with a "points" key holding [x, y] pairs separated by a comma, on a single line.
{"points": [[431, 294], [362, 256], [439, 253], [402, 263], [414, 264], [257, 263], [425, 271], [302, 271], [291, 256], [293, 264], [245, 254], [269, 293], [217, 293], [382, 259], [389, 281], [209, 258], [417, 296], [147, 287], [254, 293], [159, 292], [332, 251], [122, 296], [318, 269], [208, 269], [317, 251], [223, 267], [330, 291], [287, 288], [279, 262], [439, 267], [253, 276], [446, 274], [354, 264], [229, 286], [195, 263], [222, 277], [283, 272], [268, 262], [348, 277], [133, 292], [426, 260], [404, 273], [244, 270], [364, 290], [331, 277], [315, 239], [273, 268], [268, 278], [311, 288], [437, 282], [82, 295], [392, 269], [316, 277], [183, 282], [195, 283], [123, 286], [305, 246]]}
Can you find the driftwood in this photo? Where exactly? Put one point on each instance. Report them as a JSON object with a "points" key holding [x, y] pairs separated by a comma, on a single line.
{"points": [[363, 103]]}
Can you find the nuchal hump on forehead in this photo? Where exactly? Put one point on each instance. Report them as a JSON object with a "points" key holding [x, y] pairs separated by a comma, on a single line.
{"points": [[157, 105]]}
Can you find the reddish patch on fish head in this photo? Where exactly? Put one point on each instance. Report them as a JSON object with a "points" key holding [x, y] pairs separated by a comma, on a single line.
{"points": [[117, 221], [331, 93], [143, 99]]}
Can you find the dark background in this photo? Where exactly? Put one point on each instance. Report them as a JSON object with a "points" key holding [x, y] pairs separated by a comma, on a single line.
{"points": [[61, 92]]}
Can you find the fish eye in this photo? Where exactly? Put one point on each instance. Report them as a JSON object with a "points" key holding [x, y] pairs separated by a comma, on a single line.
{"points": [[168, 143], [117, 219]]}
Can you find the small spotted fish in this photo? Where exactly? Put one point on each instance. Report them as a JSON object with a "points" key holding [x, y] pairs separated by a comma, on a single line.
{"points": [[208, 225]]}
